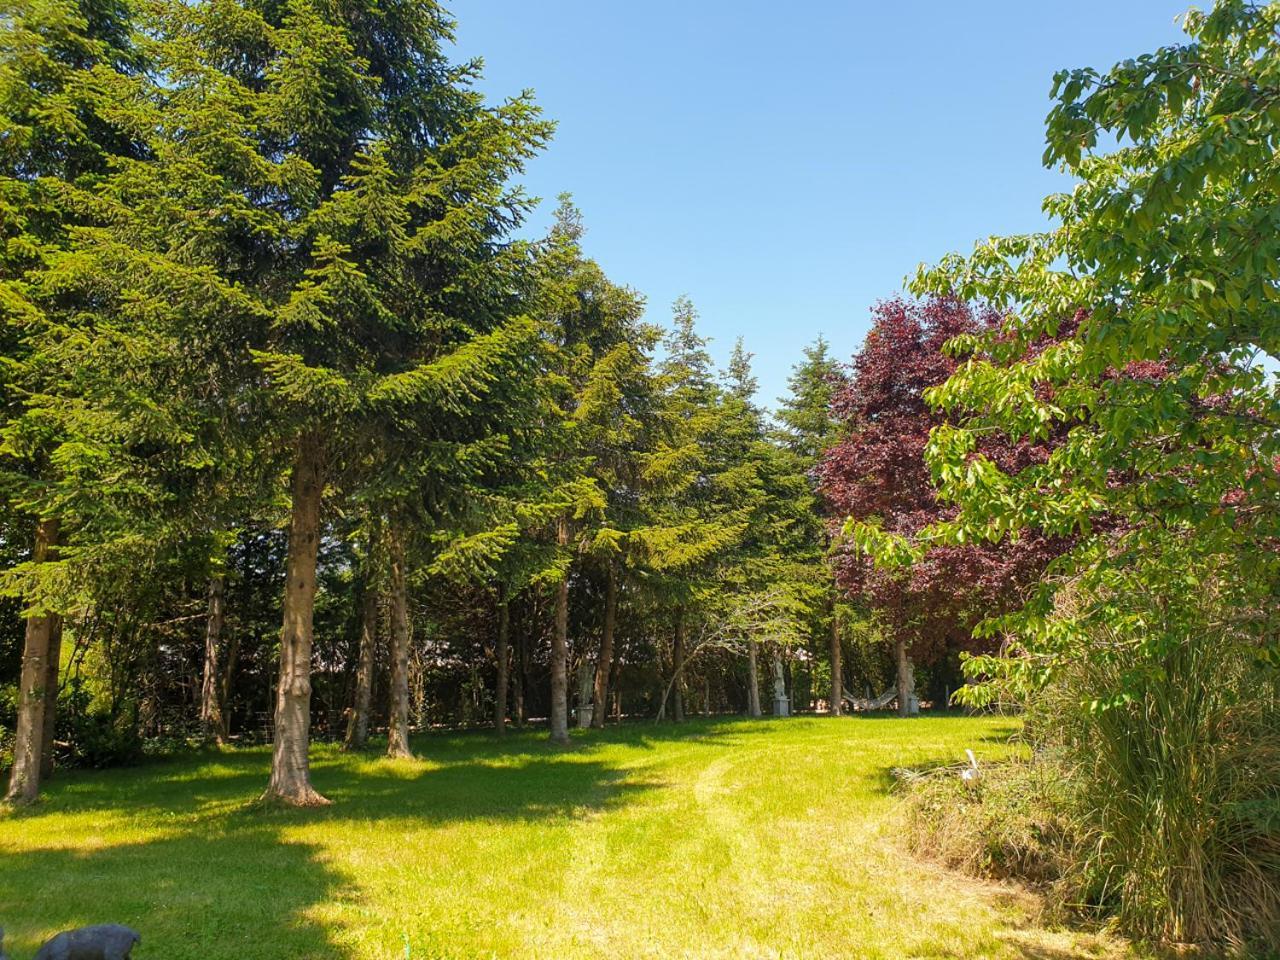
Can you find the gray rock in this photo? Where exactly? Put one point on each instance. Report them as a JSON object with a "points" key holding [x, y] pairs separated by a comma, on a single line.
{"points": [[104, 941]]}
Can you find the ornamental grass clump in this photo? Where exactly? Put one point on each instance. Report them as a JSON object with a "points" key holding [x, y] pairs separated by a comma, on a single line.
{"points": [[1175, 790]]}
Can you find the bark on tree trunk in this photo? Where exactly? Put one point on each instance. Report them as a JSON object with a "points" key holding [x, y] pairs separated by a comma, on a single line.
{"points": [[837, 667], [398, 714], [605, 661], [559, 667], [228, 677], [33, 692], [519, 679], [290, 766], [753, 680], [585, 678], [210, 701], [560, 653], [503, 656], [358, 723], [51, 704], [677, 666], [906, 679]]}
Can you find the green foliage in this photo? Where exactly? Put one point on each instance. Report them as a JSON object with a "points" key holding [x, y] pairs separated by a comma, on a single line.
{"points": [[1138, 332]]}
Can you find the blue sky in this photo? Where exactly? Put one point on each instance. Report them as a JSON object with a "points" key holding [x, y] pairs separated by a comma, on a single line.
{"points": [[786, 167]]}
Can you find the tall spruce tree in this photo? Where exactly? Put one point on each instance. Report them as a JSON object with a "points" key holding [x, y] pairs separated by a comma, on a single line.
{"points": [[51, 136], [807, 428], [323, 204], [602, 392]]}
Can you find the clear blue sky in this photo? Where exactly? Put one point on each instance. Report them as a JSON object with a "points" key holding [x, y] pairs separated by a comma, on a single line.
{"points": [[788, 165]]}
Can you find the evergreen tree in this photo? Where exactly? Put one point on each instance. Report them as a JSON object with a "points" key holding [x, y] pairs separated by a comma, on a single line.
{"points": [[808, 428], [50, 136], [602, 392], [348, 272]]}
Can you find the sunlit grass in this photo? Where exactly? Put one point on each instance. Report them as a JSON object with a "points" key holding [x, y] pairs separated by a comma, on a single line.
{"points": [[719, 839]]}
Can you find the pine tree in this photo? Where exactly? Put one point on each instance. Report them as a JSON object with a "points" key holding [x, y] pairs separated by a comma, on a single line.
{"points": [[698, 494]]}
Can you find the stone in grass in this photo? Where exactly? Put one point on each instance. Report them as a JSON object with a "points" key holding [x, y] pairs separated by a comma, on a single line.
{"points": [[104, 941]]}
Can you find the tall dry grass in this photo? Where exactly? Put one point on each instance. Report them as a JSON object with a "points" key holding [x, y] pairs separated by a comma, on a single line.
{"points": [[1175, 792]]}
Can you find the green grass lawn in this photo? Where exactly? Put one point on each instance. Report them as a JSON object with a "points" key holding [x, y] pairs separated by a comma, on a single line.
{"points": [[733, 839]]}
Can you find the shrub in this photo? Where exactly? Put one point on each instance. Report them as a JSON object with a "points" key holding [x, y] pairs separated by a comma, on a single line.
{"points": [[89, 736], [1011, 823], [1154, 794]]}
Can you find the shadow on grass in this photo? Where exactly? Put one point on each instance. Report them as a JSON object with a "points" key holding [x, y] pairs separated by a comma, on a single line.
{"points": [[215, 875], [193, 894]]}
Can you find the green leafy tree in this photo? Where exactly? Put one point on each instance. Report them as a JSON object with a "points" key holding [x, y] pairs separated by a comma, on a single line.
{"points": [[602, 391], [1139, 329]]}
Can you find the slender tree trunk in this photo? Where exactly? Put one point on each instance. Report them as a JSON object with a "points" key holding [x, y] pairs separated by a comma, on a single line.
{"points": [[398, 719], [560, 652], [34, 693], [586, 676], [605, 661], [290, 766], [677, 665], [358, 723], [503, 655], [210, 701], [706, 695], [753, 679], [906, 679], [51, 704], [837, 667], [225, 684], [520, 680]]}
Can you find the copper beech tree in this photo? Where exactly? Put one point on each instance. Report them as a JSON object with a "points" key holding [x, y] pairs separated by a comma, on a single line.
{"points": [[877, 473]]}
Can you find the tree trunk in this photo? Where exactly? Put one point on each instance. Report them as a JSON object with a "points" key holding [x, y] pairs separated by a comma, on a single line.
{"points": [[34, 691], [677, 666], [586, 676], [753, 680], [358, 723], [51, 704], [906, 679], [559, 730], [210, 701], [290, 766], [503, 656], [228, 676], [560, 666], [398, 714], [520, 678], [837, 667], [605, 661]]}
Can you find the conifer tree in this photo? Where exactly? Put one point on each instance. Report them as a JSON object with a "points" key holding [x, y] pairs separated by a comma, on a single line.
{"points": [[602, 392], [807, 429], [50, 134], [346, 269], [695, 495]]}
